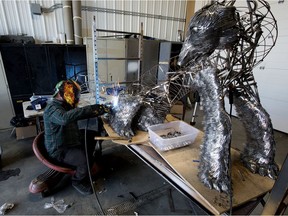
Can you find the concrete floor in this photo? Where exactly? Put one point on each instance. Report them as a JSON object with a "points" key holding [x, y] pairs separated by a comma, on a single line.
{"points": [[124, 186]]}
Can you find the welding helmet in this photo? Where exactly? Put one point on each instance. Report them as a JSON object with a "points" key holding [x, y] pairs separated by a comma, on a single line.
{"points": [[69, 90]]}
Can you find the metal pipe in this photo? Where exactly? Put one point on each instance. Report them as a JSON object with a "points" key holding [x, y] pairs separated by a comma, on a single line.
{"points": [[68, 25], [114, 31], [140, 52], [119, 58], [110, 138], [77, 22]]}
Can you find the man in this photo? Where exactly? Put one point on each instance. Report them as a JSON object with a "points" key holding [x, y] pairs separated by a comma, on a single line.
{"points": [[62, 136]]}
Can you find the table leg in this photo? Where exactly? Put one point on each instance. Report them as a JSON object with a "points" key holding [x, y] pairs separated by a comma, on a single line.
{"points": [[38, 124]]}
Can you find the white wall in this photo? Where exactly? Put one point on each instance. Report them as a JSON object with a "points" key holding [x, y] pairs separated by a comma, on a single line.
{"points": [[200, 3], [272, 74]]}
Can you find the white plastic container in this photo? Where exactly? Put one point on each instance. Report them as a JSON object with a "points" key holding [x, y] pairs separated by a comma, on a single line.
{"points": [[187, 137]]}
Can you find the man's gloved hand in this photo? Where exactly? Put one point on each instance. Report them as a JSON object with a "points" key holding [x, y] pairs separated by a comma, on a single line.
{"points": [[100, 109]]}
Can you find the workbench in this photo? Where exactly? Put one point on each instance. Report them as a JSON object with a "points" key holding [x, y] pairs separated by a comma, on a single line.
{"points": [[180, 168], [85, 99]]}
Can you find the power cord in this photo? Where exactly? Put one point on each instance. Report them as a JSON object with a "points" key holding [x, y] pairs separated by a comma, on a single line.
{"points": [[230, 177], [89, 172]]}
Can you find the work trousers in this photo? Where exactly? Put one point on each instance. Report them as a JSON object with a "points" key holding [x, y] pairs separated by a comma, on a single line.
{"points": [[76, 156]]}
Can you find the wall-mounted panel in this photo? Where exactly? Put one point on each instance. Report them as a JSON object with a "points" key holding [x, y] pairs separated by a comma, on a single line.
{"points": [[6, 108]]}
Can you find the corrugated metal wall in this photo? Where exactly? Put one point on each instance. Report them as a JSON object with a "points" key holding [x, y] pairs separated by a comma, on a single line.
{"points": [[202, 3], [161, 19]]}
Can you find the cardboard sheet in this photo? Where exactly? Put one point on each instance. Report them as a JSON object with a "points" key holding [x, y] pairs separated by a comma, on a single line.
{"points": [[246, 185], [141, 137]]}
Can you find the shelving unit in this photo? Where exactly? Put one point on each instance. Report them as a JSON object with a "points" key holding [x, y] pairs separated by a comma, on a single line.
{"points": [[168, 54], [122, 60]]}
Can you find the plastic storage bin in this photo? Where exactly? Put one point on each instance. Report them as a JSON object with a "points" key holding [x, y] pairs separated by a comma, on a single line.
{"points": [[187, 137]]}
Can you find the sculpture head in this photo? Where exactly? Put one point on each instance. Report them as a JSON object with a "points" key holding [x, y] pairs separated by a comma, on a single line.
{"points": [[212, 27]]}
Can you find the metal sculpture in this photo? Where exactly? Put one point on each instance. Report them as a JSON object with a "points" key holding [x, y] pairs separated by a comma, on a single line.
{"points": [[139, 107], [224, 43]]}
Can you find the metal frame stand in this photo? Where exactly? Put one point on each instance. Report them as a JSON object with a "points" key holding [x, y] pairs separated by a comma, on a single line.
{"points": [[96, 58]]}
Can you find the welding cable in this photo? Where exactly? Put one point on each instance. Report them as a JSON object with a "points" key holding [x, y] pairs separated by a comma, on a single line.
{"points": [[230, 179], [89, 171]]}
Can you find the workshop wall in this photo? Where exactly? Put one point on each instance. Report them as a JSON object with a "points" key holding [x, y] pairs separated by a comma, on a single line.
{"points": [[272, 74], [161, 19]]}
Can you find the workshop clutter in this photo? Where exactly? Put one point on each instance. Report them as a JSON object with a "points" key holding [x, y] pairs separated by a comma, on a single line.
{"points": [[24, 127], [19, 121], [6, 207], [38, 102], [171, 135], [26, 132], [114, 90], [177, 110]]}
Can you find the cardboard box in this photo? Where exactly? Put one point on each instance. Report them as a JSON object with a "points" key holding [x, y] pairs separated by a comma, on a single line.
{"points": [[177, 109], [26, 132]]}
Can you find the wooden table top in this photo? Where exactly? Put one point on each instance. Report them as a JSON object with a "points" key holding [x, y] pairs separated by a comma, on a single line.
{"points": [[184, 161]]}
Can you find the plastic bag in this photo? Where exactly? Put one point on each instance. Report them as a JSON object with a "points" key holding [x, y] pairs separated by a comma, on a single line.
{"points": [[59, 205], [5, 207], [19, 121]]}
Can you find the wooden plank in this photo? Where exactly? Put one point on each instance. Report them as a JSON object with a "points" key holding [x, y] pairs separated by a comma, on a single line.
{"points": [[141, 137], [246, 186]]}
